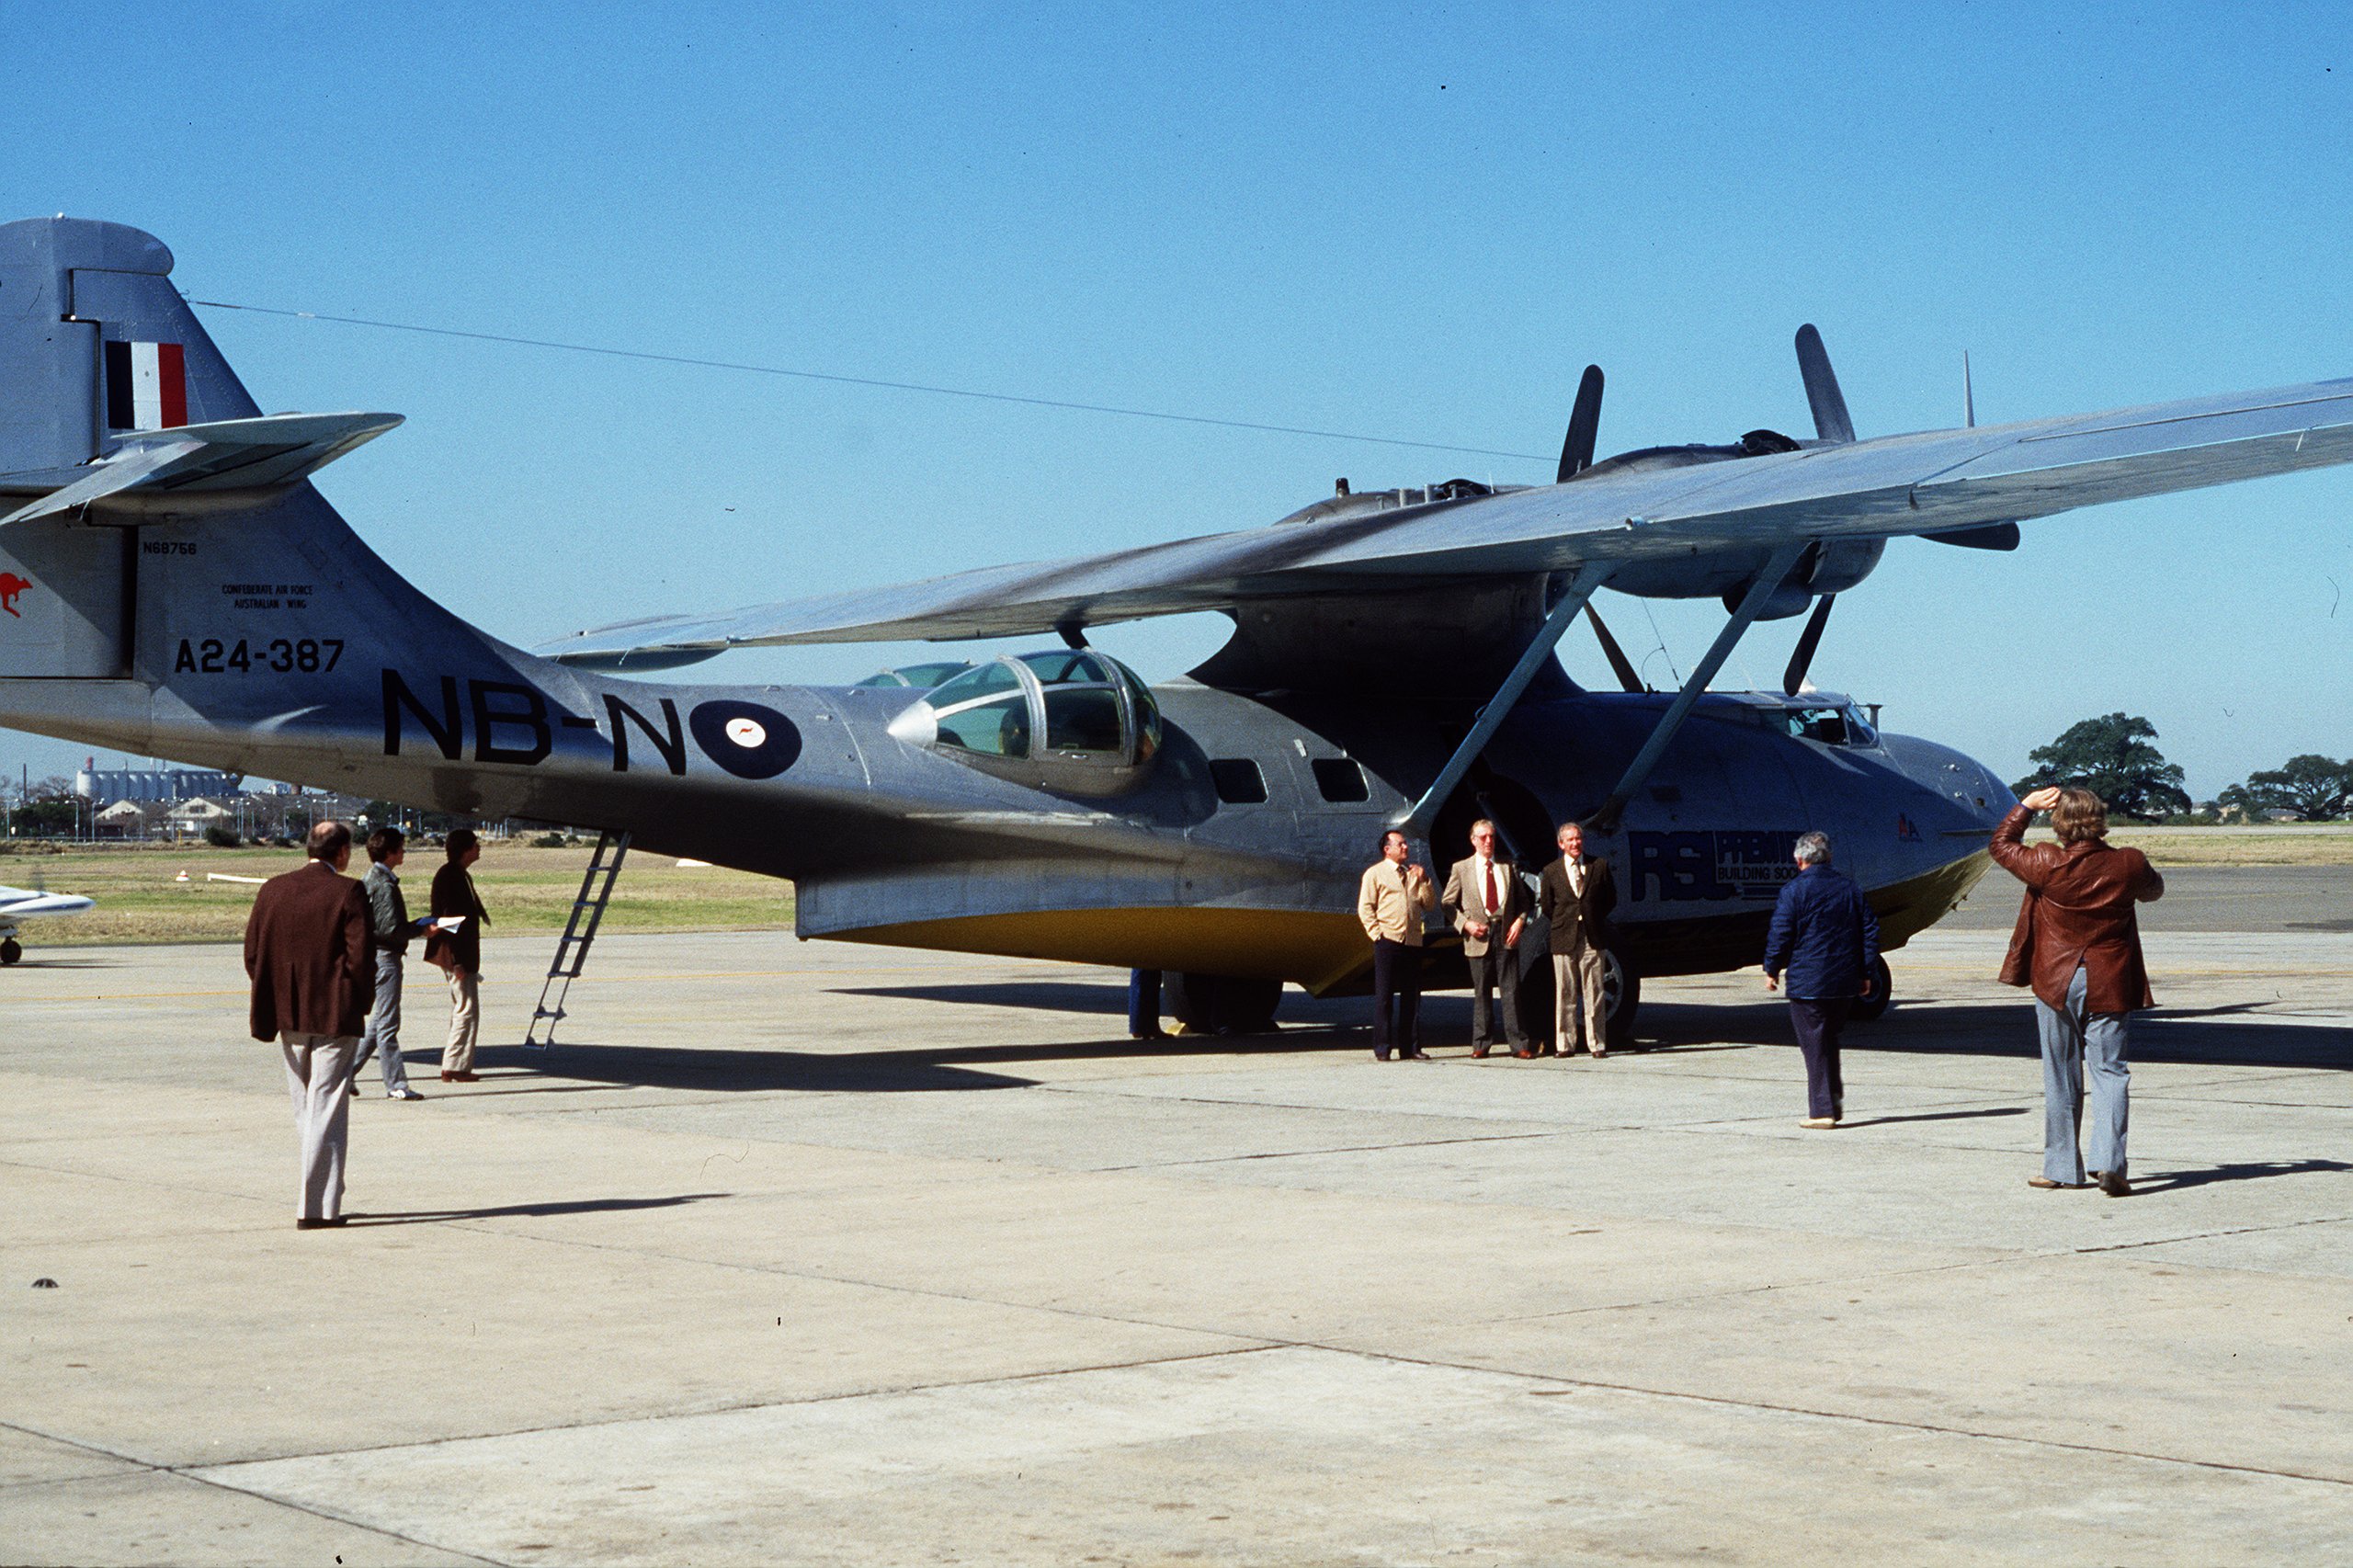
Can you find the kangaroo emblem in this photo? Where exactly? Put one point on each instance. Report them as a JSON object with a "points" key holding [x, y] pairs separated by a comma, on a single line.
{"points": [[10, 587]]}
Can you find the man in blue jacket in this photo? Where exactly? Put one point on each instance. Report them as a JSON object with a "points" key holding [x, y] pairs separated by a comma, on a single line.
{"points": [[1821, 949]]}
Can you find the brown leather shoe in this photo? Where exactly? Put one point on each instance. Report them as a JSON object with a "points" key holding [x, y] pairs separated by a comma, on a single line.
{"points": [[1477, 1051], [2046, 1185], [2113, 1183], [1525, 1055], [317, 1224], [459, 1078]]}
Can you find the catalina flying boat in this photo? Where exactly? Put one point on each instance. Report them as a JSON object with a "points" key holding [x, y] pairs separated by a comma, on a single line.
{"points": [[180, 588]]}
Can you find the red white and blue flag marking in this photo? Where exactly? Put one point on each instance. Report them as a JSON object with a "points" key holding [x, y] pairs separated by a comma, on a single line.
{"points": [[146, 386]]}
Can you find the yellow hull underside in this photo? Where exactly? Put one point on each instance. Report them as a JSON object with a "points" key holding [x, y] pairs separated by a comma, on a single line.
{"points": [[1315, 949]]}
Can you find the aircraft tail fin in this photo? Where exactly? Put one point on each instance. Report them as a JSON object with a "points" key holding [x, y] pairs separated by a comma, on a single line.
{"points": [[98, 346]]}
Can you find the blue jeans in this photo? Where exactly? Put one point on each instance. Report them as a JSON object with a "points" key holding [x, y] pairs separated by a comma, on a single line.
{"points": [[2075, 1042], [383, 1034]]}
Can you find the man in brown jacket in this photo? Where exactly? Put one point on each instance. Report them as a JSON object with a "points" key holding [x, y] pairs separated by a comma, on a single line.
{"points": [[313, 979], [2078, 943]]}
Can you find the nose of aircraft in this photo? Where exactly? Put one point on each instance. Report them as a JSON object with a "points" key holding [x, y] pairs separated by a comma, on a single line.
{"points": [[1955, 776]]}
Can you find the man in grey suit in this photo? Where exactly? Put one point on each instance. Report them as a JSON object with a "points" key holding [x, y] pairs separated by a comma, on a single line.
{"points": [[1489, 906]]}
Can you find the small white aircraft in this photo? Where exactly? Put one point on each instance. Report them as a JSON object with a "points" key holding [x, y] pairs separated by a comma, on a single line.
{"points": [[18, 903]]}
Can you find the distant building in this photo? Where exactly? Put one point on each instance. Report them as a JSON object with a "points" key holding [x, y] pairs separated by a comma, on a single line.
{"points": [[153, 784]]}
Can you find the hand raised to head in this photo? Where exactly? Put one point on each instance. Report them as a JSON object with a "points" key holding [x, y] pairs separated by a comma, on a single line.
{"points": [[2041, 800]]}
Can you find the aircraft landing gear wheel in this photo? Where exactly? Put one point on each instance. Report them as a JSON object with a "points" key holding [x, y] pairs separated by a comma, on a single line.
{"points": [[1873, 1007], [10, 951], [1621, 999], [1223, 1004]]}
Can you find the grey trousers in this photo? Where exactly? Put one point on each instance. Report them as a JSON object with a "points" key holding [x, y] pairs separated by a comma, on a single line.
{"points": [[318, 1069], [2075, 1042], [384, 1025]]}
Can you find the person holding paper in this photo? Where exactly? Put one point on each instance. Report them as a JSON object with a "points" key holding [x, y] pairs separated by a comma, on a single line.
{"points": [[455, 945]]}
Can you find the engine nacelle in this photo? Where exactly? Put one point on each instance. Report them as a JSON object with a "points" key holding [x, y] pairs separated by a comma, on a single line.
{"points": [[1829, 568]]}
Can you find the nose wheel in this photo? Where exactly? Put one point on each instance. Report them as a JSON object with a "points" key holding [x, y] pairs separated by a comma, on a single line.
{"points": [[1870, 1008], [10, 950]]}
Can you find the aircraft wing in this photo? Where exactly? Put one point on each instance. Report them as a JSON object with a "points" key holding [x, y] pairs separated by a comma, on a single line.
{"points": [[230, 454], [1885, 487]]}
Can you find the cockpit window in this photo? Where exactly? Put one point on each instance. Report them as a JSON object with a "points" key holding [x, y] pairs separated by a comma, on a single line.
{"points": [[921, 677], [1831, 726], [995, 728], [1147, 713], [1087, 719], [1069, 720], [1071, 668], [986, 681]]}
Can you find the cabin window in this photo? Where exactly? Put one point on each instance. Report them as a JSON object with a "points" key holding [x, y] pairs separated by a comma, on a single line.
{"points": [[1339, 780], [1238, 780]]}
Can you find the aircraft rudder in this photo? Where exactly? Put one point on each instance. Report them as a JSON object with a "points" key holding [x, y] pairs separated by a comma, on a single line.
{"points": [[97, 345]]}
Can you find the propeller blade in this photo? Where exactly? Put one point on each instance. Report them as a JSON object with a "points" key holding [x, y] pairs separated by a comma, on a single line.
{"points": [[1585, 427], [1989, 536], [1802, 659], [1830, 420], [1618, 662]]}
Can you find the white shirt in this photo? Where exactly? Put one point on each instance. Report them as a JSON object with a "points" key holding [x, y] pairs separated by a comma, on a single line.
{"points": [[1576, 874], [1486, 878]]}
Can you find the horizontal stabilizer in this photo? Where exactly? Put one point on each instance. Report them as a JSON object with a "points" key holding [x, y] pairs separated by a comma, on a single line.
{"points": [[233, 454]]}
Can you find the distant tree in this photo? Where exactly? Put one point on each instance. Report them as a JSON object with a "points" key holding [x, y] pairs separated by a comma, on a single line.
{"points": [[46, 818], [2310, 788], [220, 837], [2113, 757]]}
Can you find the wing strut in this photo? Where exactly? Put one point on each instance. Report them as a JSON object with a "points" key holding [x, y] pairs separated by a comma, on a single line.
{"points": [[1417, 823], [1776, 570]]}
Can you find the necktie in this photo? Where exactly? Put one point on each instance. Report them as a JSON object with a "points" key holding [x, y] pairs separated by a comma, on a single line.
{"points": [[1494, 904]]}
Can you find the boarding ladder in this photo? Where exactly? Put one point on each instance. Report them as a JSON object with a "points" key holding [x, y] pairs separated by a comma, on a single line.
{"points": [[579, 934]]}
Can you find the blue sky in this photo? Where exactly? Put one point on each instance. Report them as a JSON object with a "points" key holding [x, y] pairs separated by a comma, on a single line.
{"points": [[1402, 222]]}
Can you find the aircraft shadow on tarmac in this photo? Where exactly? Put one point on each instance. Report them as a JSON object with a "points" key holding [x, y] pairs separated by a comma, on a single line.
{"points": [[2204, 1037]]}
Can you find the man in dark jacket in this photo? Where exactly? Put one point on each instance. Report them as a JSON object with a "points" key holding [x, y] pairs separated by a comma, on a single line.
{"points": [[2078, 943], [308, 956], [456, 946], [1821, 949], [1574, 896]]}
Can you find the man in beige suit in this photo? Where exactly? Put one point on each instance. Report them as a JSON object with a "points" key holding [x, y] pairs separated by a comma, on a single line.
{"points": [[1575, 896], [1489, 906], [1391, 898]]}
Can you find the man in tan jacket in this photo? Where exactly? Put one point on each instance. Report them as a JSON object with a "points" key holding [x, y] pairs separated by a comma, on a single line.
{"points": [[1489, 904], [314, 974], [1390, 900]]}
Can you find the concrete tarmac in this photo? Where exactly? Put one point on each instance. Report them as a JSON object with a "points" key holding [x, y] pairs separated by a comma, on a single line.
{"points": [[826, 1254]]}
